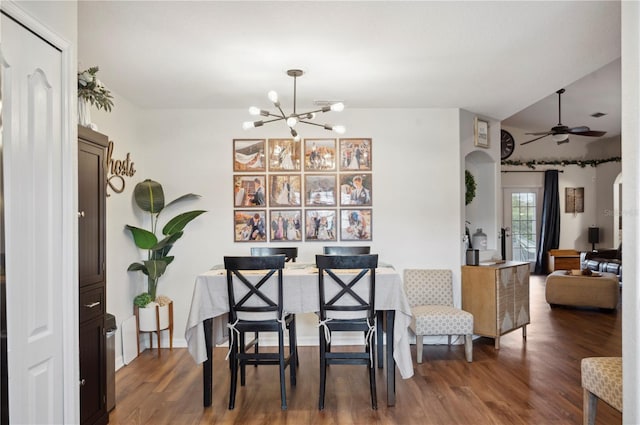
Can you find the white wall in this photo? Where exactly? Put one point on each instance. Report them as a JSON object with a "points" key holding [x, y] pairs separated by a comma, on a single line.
{"points": [[631, 209], [416, 186]]}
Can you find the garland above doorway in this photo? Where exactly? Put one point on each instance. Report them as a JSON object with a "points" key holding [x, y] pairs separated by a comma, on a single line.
{"points": [[562, 162]]}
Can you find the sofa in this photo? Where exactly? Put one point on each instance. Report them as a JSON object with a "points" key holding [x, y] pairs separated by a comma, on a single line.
{"points": [[603, 260]]}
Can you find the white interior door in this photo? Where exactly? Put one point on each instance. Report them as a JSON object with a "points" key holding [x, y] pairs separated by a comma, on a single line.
{"points": [[32, 137], [522, 209]]}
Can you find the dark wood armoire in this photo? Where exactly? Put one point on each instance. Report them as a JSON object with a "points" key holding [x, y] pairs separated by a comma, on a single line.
{"points": [[92, 275]]}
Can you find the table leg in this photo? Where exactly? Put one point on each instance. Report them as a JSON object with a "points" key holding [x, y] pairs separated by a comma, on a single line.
{"points": [[391, 364], [207, 366]]}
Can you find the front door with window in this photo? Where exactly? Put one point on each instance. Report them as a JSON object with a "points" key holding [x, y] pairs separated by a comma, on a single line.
{"points": [[522, 210]]}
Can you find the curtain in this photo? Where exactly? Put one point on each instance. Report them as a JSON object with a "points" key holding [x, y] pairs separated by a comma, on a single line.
{"points": [[550, 222]]}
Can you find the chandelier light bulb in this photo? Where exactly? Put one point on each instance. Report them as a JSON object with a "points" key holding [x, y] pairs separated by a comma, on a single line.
{"points": [[292, 121], [254, 111], [247, 125], [273, 96], [337, 107], [340, 129]]}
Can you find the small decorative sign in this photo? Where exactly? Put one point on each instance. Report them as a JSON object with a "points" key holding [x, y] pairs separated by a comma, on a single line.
{"points": [[117, 169]]}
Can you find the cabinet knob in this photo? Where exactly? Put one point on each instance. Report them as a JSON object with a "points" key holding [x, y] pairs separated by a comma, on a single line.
{"points": [[82, 382], [81, 214]]}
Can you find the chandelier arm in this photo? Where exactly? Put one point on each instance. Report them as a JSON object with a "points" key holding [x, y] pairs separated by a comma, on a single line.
{"points": [[312, 123], [269, 114], [273, 120]]}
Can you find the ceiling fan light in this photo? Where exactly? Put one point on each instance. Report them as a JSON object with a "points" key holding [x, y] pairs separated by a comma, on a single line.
{"points": [[559, 137]]}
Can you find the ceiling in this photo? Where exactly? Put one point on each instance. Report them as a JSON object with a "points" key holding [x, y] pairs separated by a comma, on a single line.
{"points": [[502, 60]]}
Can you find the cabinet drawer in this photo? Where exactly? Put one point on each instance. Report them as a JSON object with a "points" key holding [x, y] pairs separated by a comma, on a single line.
{"points": [[91, 304]]}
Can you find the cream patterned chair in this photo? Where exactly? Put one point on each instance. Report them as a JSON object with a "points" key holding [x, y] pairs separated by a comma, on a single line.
{"points": [[601, 379], [430, 294]]}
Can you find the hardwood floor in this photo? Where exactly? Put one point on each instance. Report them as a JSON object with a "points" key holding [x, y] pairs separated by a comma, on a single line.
{"points": [[536, 381]]}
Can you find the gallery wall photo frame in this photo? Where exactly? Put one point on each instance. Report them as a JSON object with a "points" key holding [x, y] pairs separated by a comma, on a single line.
{"points": [[250, 226], [355, 224], [249, 155], [320, 225], [249, 190], [285, 190], [481, 133], [320, 190], [284, 155], [356, 189], [285, 225], [320, 155], [355, 154]]}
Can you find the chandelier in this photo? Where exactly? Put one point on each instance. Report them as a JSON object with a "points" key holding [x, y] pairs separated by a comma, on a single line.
{"points": [[294, 118]]}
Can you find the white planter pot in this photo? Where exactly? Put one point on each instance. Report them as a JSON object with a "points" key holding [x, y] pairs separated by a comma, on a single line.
{"points": [[154, 318]]}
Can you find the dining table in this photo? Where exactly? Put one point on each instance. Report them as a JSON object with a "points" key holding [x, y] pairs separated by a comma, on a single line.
{"points": [[207, 320]]}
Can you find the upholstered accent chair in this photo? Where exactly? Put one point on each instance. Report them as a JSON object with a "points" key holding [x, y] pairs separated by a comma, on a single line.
{"points": [[430, 294], [601, 379]]}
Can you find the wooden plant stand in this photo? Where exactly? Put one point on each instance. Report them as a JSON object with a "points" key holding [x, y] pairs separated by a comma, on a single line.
{"points": [[157, 330]]}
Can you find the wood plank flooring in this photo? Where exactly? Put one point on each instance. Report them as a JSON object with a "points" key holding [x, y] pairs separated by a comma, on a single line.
{"points": [[532, 381]]}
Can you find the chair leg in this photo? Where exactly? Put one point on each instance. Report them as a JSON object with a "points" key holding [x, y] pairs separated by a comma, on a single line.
{"points": [[293, 351], [419, 348], [283, 391], [243, 365], [323, 369], [589, 407], [233, 363], [448, 339], [255, 347], [379, 334], [468, 347], [372, 377]]}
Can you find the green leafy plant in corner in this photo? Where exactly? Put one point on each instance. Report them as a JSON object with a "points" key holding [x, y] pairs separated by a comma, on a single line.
{"points": [[470, 185], [149, 197]]}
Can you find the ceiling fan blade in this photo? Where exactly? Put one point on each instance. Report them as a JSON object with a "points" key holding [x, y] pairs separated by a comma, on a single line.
{"points": [[533, 140], [590, 133], [539, 133]]}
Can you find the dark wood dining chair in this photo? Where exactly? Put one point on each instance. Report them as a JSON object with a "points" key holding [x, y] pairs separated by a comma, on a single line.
{"points": [[254, 285], [290, 253], [346, 250], [347, 305]]}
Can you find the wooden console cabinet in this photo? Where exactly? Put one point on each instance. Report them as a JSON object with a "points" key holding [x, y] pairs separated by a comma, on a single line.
{"points": [[498, 298], [563, 259], [92, 275]]}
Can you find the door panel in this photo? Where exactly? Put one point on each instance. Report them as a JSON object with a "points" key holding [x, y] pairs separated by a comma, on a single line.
{"points": [[522, 211], [32, 139]]}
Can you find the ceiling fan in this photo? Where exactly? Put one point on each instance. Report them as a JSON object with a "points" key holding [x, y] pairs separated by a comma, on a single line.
{"points": [[560, 133]]}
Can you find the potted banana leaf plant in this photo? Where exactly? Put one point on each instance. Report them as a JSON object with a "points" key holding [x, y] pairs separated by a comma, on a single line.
{"points": [[153, 312]]}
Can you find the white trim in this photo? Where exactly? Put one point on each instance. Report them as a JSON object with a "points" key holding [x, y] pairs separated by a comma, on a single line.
{"points": [[69, 243]]}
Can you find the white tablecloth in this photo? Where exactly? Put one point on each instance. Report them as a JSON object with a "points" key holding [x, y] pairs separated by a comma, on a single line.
{"points": [[210, 300]]}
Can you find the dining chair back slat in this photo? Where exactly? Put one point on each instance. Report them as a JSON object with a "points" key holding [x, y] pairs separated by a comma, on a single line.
{"points": [[346, 250], [291, 253]]}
